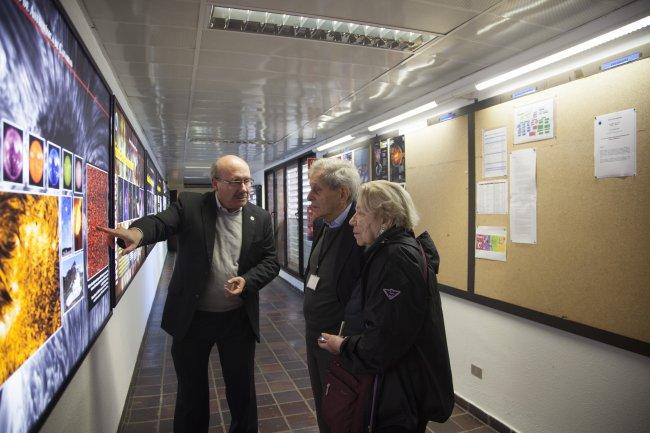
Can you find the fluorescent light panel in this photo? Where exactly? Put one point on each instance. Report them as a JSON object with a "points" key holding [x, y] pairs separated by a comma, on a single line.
{"points": [[577, 49], [577, 64], [303, 27], [410, 113], [334, 143]]}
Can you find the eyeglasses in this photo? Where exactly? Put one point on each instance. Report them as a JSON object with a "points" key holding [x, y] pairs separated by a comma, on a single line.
{"points": [[236, 182]]}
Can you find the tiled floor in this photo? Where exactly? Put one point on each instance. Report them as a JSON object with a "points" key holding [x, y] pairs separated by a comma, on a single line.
{"points": [[285, 403]]}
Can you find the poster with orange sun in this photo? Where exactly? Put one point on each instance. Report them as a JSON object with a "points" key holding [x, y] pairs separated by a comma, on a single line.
{"points": [[55, 123]]}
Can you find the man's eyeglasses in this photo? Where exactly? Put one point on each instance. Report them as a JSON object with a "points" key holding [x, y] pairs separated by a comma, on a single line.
{"points": [[236, 182]]}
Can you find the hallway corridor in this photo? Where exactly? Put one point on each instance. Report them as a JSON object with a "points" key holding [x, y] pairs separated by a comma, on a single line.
{"points": [[285, 403]]}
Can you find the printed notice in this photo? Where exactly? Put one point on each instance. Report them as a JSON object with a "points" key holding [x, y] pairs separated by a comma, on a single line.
{"points": [[494, 152], [523, 221], [491, 243], [523, 196], [492, 197], [615, 144], [534, 122]]}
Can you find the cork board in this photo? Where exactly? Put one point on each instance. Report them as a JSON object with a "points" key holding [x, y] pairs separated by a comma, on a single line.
{"points": [[590, 264], [436, 164]]}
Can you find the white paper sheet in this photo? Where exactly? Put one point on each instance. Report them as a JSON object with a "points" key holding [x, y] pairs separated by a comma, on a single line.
{"points": [[534, 122], [495, 152], [492, 197], [523, 221], [523, 196], [615, 144], [490, 243], [522, 172]]}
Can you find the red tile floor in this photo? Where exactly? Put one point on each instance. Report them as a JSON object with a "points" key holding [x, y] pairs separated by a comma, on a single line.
{"points": [[285, 402]]}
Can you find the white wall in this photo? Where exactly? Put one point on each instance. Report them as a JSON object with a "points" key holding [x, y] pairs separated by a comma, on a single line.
{"points": [[94, 399], [540, 379]]}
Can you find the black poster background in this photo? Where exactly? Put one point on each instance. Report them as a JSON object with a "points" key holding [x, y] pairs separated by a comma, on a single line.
{"points": [[49, 87]]}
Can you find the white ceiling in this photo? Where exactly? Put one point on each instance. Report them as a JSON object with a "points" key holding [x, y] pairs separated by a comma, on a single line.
{"points": [[199, 93]]}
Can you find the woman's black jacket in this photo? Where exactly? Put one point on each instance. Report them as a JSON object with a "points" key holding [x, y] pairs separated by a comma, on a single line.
{"points": [[403, 332]]}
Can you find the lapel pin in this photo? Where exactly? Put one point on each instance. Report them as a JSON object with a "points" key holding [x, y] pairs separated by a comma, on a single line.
{"points": [[252, 218]]}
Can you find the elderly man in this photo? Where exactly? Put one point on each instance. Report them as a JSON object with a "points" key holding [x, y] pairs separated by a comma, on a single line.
{"points": [[226, 254], [334, 264]]}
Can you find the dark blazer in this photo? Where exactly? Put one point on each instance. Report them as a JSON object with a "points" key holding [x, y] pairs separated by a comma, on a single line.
{"points": [[350, 258], [192, 219]]}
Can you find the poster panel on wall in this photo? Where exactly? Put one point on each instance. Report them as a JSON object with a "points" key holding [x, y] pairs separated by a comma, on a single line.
{"points": [[361, 160], [129, 176], [380, 159], [54, 157], [159, 192], [150, 187], [398, 160]]}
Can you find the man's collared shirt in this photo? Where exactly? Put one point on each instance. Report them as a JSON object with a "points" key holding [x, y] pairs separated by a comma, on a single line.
{"points": [[338, 221], [225, 261], [220, 207]]}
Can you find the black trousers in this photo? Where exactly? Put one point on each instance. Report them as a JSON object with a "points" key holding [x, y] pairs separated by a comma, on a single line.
{"points": [[232, 333], [317, 362]]}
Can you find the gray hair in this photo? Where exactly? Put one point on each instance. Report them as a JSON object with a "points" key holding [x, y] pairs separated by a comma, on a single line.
{"points": [[337, 173], [388, 201]]}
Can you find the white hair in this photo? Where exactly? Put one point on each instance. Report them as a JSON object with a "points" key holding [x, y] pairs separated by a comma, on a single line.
{"points": [[337, 173], [388, 201]]}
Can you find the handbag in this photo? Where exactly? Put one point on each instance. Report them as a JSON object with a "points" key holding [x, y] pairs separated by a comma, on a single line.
{"points": [[346, 397]]}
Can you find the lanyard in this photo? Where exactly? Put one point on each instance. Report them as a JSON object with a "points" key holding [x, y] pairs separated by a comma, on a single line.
{"points": [[323, 251]]}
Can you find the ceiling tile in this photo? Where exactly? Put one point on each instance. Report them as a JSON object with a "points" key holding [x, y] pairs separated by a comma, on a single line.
{"points": [[136, 34], [166, 12]]}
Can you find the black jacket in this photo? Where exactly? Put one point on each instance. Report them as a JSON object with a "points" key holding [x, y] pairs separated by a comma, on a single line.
{"points": [[349, 262], [403, 337], [192, 219]]}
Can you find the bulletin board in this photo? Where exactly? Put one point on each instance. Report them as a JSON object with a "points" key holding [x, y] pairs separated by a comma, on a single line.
{"points": [[437, 181], [590, 264]]}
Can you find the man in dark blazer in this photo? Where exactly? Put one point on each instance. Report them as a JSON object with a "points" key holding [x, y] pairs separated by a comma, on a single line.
{"points": [[334, 265], [226, 254]]}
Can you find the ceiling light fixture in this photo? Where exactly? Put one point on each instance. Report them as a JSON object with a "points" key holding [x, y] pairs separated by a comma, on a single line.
{"points": [[321, 29], [334, 143], [575, 65], [577, 49], [410, 113]]}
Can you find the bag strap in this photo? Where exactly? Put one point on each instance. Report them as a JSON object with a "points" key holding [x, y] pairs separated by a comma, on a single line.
{"points": [[425, 271]]}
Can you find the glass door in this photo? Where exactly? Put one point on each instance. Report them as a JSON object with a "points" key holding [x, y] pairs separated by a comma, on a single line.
{"points": [[293, 213], [280, 221], [307, 219]]}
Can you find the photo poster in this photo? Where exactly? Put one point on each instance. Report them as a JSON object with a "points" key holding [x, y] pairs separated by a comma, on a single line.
{"points": [[150, 187], [534, 122], [129, 177], [166, 195], [398, 160], [159, 192], [361, 160], [380, 159], [54, 162]]}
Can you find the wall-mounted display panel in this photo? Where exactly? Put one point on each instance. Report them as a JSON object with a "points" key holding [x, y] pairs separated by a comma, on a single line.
{"points": [[54, 158], [589, 265], [437, 168], [129, 190]]}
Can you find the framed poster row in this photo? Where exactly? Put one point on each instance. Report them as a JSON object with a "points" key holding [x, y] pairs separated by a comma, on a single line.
{"points": [[69, 162]]}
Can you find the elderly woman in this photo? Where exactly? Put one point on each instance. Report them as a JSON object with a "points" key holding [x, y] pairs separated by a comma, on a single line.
{"points": [[402, 334]]}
